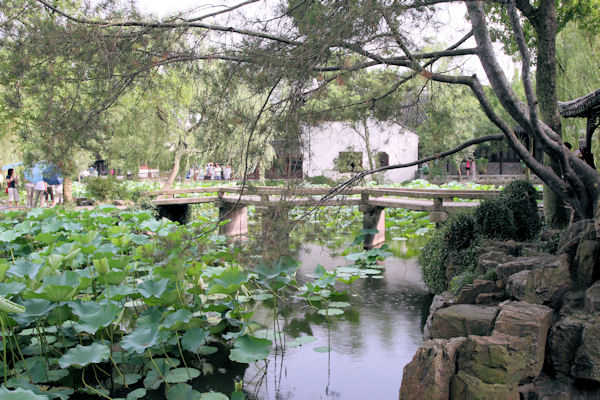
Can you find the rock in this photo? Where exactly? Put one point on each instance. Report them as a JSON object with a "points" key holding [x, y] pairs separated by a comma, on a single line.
{"points": [[587, 262], [469, 292], [490, 260], [499, 358], [509, 247], [118, 203], [586, 364], [563, 341], [468, 387], [490, 298], [526, 321], [573, 302], [429, 373], [505, 270], [553, 388], [462, 320], [592, 299], [546, 284], [439, 301], [569, 241]]}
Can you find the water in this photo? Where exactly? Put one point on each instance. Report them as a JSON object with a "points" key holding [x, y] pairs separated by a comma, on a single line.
{"points": [[370, 344]]}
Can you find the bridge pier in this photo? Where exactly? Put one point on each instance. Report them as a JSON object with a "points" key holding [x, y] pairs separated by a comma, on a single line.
{"points": [[175, 212], [373, 218], [275, 231], [237, 216]]}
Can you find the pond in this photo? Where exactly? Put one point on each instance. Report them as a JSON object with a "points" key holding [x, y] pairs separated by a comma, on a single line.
{"points": [[370, 344]]}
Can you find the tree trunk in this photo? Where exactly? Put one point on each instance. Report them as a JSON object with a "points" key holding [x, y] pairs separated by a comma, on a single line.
{"points": [[67, 190], [175, 170], [546, 27]]}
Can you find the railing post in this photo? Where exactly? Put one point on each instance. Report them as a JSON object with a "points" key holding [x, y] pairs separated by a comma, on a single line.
{"points": [[438, 215]]}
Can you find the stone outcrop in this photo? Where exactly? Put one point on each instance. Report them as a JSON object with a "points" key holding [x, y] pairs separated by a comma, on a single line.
{"points": [[430, 371], [468, 387], [469, 292], [462, 320], [439, 301], [586, 364]]}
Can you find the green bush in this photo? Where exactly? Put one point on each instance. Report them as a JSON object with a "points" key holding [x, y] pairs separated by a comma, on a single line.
{"points": [[433, 259], [101, 188], [520, 197], [320, 180], [494, 220], [460, 230], [459, 281]]}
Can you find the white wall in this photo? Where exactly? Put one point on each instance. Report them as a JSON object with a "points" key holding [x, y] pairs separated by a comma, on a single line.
{"points": [[323, 143]]}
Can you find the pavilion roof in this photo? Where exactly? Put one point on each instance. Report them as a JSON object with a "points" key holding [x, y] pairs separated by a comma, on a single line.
{"points": [[582, 107]]}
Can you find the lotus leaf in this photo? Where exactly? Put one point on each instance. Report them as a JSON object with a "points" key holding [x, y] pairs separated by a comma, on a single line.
{"points": [[46, 238], [152, 381], [248, 349], [213, 396], [6, 289], [299, 341], [152, 225], [59, 288], [19, 394], [51, 225], [228, 281], [143, 338], [136, 394], [150, 317], [178, 318], [194, 338], [103, 316], [9, 236], [331, 311], [24, 268], [180, 375], [130, 379], [139, 239], [117, 293], [339, 304], [262, 296], [80, 356], [34, 308], [113, 277], [182, 391], [153, 288], [73, 227]]}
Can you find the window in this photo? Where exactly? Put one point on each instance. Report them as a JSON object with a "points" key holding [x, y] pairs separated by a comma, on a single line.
{"points": [[383, 159]]}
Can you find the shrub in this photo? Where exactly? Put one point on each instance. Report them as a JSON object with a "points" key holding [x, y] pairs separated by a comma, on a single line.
{"points": [[106, 188], [459, 281], [494, 220], [320, 180], [433, 259], [460, 230], [520, 197]]}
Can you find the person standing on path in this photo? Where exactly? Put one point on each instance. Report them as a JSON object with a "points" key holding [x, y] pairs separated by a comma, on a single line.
{"points": [[13, 193], [39, 189]]}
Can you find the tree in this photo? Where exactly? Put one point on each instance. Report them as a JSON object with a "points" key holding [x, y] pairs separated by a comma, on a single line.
{"points": [[305, 39]]}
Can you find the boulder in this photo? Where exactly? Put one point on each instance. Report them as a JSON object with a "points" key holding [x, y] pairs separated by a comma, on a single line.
{"points": [[546, 284], [563, 341], [573, 302], [586, 364], [428, 375], [490, 298], [530, 322], [489, 260], [469, 292], [587, 262], [462, 320], [592, 298], [439, 301], [468, 387], [505, 270], [557, 388], [499, 358]]}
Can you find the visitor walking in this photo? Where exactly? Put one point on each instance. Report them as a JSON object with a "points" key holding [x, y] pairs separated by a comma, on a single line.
{"points": [[13, 193], [227, 173], [468, 166], [217, 172], [39, 189]]}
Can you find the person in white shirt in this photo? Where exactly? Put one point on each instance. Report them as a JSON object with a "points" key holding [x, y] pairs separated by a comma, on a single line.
{"points": [[39, 189]]}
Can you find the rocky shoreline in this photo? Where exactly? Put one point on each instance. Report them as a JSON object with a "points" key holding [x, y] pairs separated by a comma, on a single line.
{"points": [[533, 333]]}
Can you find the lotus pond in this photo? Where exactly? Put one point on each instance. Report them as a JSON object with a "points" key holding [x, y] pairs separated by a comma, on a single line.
{"points": [[107, 303]]}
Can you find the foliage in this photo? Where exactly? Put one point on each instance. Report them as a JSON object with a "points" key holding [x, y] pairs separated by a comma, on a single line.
{"points": [[494, 219], [106, 188], [482, 164], [460, 230], [520, 197]]}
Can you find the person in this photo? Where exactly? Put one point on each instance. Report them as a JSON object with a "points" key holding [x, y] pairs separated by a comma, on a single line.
{"points": [[58, 194], [13, 193], [190, 174], [199, 174], [39, 189], [29, 190], [227, 173], [217, 172], [468, 166], [209, 171]]}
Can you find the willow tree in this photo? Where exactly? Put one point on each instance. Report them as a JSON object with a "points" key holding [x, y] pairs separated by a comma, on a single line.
{"points": [[298, 40]]}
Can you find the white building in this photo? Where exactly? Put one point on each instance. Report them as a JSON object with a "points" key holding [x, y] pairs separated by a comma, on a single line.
{"points": [[390, 144]]}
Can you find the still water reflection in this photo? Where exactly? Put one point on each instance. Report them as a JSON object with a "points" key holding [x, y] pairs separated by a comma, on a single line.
{"points": [[370, 343]]}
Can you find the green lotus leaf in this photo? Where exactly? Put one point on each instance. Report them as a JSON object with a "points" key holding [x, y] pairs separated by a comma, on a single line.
{"points": [[86, 238], [83, 308], [150, 317], [72, 227], [9, 236], [24, 268], [262, 296], [136, 394], [59, 288], [151, 225], [153, 288], [143, 338], [228, 281], [102, 317], [7, 289], [19, 394], [46, 238], [213, 396], [299, 341], [152, 381], [207, 350], [85, 278], [55, 393], [139, 239], [55, 260], [322, 349], [194, 338], [179, 317], [51, 225], [80, 356], [113, 277], [331, 311], [248, 349], [182, 391], [180, 375], [130, 379], [34, 308], [117, 293]]}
